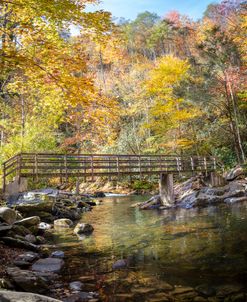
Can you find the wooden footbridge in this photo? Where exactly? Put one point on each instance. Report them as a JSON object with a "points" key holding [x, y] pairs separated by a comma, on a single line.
{"points": [[89, 166]]}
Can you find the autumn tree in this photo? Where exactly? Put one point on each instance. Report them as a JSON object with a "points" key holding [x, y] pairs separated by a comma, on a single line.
{"points": [[44, 74]]}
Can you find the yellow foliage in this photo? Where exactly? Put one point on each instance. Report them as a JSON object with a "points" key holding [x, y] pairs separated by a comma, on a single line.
{"points": [[169, 113]]}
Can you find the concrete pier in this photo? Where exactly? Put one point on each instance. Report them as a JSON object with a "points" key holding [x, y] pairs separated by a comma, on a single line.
{"points": [[166, 188]]}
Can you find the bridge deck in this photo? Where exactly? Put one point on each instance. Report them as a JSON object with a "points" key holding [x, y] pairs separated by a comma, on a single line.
{"points": [[85, 165]]}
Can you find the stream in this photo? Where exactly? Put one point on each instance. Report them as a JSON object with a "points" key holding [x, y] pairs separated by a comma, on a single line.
{"points": [[197, 247]]}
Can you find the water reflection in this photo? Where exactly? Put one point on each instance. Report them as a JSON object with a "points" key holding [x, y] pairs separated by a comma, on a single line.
{"points": [[187, 247]]}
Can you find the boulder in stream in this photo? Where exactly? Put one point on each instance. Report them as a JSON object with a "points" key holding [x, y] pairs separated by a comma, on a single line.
{"points": [[63, 223], [48, 265], [83, 228]]}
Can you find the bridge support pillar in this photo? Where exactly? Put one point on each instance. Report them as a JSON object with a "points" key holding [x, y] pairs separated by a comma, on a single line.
{"points": [[166, 187], [18, 185], [217, 180]]}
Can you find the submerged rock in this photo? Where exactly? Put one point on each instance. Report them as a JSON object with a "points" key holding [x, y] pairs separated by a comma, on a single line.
{"points": [[76, 286], [179, 290], [205, 290], [99, 195], [119, 264], [58, 254], [50, 265], [81, 297]]}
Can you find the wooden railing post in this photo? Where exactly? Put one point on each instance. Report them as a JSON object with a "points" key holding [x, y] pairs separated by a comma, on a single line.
{"points": [[66, 168], [205, 165], [214, 163], [92, 169], [130, 169], [178, 161], [192, 165], [18, 171], [4, 177], [140, 167], [118, 172], [109, 164], [36, 165]]}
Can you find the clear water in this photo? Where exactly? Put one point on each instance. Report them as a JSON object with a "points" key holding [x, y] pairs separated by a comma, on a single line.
{"points": [[182, 247]]}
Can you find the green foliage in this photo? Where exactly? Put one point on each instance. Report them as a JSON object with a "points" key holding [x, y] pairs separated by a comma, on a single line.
{"points": [[39, 137], [142, 185]]}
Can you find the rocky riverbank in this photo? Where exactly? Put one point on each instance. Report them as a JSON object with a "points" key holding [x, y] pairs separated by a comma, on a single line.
{"points": [[197, 192], [31, 263], [27, 223]]}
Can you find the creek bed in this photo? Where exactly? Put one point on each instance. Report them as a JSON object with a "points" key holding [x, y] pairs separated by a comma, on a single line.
{"points": [[204, 247]]}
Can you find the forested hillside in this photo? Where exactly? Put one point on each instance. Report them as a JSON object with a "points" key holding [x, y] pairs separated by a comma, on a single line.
{"points": [[158, 84]]}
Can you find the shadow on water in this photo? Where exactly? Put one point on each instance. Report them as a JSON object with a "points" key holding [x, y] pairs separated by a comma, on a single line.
{"points": [[182, 247]]}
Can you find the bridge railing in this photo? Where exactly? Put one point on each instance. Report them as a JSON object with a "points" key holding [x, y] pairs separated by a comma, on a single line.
{"points": [[92, 165]]}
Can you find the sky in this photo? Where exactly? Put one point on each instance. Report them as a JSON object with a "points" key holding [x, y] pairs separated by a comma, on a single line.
{"points": [[129, 9]]}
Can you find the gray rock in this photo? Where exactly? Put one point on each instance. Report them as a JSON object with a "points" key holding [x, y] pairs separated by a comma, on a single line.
{"points": [[226, 290], [50, 265], [10, 296], [7, 215], [234, 173], [179, 290], [6, 284], [83, 228], [236, 199], [44, 216], [19, 243], [238, 298], [63, 223], [119, 264], [81, 296], [205, 290], [29, 222], [40, 239], [200, 299], [29, 207], [58, 254], [21, 264], [31, 238], [47, 276], [28, 257], [4, 227], [20, 230], [234, 194], [44, 226], [27, 280], [76, 286]]}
